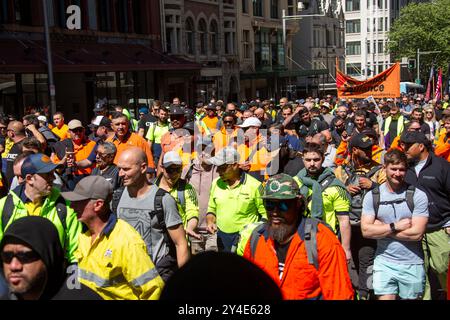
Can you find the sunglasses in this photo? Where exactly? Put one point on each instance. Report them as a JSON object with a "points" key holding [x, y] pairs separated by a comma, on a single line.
{"points": [[282, 206], [77, 130], [172, 170], [228, 122], [23, 257]]}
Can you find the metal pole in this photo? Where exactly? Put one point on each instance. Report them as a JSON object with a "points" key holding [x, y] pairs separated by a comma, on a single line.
{"points": [[51, 81], [284, 37], [418, 65]]}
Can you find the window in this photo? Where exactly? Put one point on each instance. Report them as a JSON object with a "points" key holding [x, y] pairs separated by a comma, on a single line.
{"points": [[244, 6], [246, 43], [380, 24], [353, 48], [3, 11], [274, 9], [353, 26], [380, 46], [169, 40], [380, 68], [258, 8], [23, 12], [352, 5], [202, 33], [214, 37], [290, 9], [353, 69], [104, 15], [190, 36], [137, 17], [368, 47], [122, 15]]}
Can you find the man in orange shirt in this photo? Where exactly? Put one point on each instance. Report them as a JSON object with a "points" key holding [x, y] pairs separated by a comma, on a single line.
{"points": [[227, 135], [302, 255], [443, 145], [211, 123], [60, 129], [71, 151], [124, 139]]}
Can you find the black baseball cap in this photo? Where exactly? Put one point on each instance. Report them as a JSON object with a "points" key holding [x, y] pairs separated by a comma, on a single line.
{"points": [[211, 106], [411, 137], [361, 141], [176, 110]]}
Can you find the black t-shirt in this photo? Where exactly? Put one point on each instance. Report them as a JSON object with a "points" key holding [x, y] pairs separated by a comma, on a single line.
{"points": [[314, 127], [392, 130], [144, 123], [111, 174], [16, 149]]}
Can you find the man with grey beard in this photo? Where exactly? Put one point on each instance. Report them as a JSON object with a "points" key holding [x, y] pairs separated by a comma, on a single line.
{"points": [[300, 254]]}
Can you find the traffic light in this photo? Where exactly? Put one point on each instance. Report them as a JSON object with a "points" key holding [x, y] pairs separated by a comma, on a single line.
{"points": [[411, 64]]}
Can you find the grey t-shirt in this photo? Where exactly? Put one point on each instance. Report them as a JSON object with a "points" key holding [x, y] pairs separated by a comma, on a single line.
{"points": [[137, 213], [404, 252]]}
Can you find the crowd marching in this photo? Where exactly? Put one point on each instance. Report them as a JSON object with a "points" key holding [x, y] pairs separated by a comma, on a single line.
{"points": [[333, 199]]}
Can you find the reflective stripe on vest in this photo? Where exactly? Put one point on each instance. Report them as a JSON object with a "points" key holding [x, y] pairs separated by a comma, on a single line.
{"points": [[400, 125], [99, 281], [146, 277]]}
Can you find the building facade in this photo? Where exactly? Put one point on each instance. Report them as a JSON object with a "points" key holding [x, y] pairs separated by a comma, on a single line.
{"points": [[317, 46], [264, 67], [116, 54], [367, 24], [204, 32]]}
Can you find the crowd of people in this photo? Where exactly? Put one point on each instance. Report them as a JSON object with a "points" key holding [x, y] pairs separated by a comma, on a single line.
{"points": [[331, 198]]}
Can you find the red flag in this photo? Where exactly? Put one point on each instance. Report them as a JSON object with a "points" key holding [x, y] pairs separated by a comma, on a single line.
{"points": [[437, 94]]}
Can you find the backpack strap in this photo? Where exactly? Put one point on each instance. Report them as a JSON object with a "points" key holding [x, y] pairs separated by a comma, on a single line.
{"points": [[349, 174], [254, 238], [8, 210], [326, 182], [373, 171], [376, 199], [117, 194], [181, 188], [61, 210], [158, 206], [410, 197], [311, 241]]}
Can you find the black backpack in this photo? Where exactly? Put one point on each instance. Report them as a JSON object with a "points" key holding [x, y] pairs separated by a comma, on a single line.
{"points": [[409, 198], [357, 199]]}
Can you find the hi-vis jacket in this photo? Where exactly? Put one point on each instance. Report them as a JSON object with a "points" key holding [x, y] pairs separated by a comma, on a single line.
{"points": [[116, 265], [300, 279]]}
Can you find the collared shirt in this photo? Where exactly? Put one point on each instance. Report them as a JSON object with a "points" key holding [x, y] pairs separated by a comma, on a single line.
{"points": [[33, 208], [116, 264], [236, 207], [132, 140]]}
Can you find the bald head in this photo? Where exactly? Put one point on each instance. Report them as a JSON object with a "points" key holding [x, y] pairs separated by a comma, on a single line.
{"points": [[132, 164], [16, 130], [133, 155]]}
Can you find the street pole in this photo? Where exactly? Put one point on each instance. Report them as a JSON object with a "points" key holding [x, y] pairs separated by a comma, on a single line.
{"points": [[51, 81], [418, 66]]}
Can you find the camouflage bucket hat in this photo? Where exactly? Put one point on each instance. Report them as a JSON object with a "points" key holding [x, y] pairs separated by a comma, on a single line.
{"points": [[281, 186]]}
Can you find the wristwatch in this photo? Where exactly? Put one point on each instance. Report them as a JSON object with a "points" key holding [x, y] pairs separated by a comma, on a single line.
{"points": [[392, 225]]}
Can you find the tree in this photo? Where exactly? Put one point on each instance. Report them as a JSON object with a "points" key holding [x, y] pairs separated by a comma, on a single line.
{"points": [[423, 26]]}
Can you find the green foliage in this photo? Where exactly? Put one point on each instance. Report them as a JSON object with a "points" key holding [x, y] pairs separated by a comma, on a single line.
{"points": [[424, 26]]}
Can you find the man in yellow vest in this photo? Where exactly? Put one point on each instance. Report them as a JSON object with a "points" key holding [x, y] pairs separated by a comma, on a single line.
{"points": [[393, 126]]}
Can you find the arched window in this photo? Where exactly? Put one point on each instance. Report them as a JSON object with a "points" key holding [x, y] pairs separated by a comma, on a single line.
{"points": [[190, 36], [203, 35], [214, 30]]}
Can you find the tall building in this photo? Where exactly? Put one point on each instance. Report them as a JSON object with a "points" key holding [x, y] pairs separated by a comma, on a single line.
{"points": [[116, 53], [317, 45], [204, 32], [264, 68], [367, 24]]}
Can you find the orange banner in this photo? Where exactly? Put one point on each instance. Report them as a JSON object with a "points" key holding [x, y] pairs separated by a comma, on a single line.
{"points": [[383, 85]]}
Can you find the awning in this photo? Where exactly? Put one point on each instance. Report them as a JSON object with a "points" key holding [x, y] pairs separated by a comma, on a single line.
{"points": [[27, 56], [283, 74]]}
